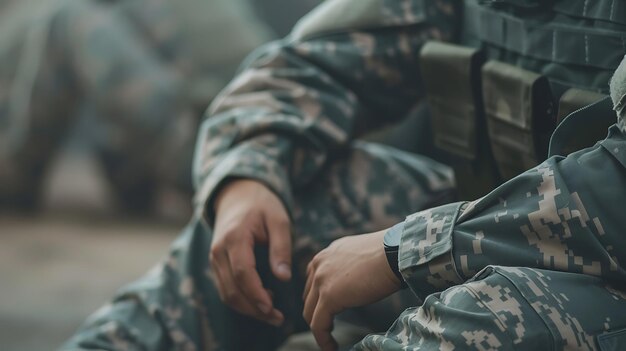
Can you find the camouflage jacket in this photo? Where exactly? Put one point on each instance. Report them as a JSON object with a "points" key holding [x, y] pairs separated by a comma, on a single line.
{"points": [[301, 99]]}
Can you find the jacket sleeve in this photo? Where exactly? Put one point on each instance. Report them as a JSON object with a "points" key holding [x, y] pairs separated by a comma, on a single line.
{"points": [[565, 214], [301, 99]]}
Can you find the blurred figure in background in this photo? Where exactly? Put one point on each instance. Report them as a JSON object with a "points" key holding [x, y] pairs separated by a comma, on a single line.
{"points": [[143, 71]]}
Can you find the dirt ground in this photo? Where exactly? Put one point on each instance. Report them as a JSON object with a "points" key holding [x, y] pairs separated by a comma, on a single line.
{"points": [[58, 266]]}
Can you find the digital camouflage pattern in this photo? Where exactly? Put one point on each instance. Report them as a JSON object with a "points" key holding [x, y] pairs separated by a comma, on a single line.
{"points": [[555, 217], [136, 65], [509, 308], [290, 119], [542, 217]]}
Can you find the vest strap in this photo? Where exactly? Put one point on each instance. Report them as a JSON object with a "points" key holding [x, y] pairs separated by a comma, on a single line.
{"points": [[613, 11], [567, 136], [563, 44], [575, 99]]}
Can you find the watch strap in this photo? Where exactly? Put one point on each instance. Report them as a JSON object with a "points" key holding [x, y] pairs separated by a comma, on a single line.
{"points": [[392, 247]]}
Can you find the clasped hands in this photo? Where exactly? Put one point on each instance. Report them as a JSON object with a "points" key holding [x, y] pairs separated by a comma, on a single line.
{"points": [[353, 271]]}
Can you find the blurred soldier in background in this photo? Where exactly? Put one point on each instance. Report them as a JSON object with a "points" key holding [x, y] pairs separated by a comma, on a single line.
{"points": [[533, 263], [142, 70]]}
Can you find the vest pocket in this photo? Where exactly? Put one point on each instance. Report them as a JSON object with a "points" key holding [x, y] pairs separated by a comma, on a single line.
{"points": [[612, 341], [520, 116]]}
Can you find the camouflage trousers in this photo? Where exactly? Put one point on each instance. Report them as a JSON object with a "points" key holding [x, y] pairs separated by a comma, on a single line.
{"points": [[176, 305], [508, 308]]}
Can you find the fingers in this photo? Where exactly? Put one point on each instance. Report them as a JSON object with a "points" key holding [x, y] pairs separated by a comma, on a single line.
{"points": [[246, 278], [239, 285], [309, 305], [310, 294], [227, 289], [249, 214], [322, 326], [279, 235], [317, 313], [308, 284]]}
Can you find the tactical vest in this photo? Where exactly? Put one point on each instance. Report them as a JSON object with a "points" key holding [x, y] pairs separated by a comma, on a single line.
{"points": [[522, 68]]}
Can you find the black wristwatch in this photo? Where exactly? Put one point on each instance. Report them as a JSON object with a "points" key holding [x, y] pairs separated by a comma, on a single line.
{"points": [[391, 242]]}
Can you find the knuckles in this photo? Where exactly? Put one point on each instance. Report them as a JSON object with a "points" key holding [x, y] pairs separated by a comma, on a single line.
{"points": [[227, 236], [212, 258], [280, 219], [214, 252], [318, 279], [317, 269], [223, 239], [239, 273]]}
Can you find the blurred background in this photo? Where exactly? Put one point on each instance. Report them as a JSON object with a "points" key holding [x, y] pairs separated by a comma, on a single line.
{"points": [[99, 105]]}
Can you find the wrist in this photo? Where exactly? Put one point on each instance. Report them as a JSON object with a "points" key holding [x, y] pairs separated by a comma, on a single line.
{"points": [[233, 185]]}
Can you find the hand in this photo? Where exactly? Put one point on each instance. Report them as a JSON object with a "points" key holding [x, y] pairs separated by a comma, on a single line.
{"points": [[247, 214], [352, 271]]}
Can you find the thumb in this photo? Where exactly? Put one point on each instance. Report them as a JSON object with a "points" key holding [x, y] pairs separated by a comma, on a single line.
{"points": [[279, 235]]}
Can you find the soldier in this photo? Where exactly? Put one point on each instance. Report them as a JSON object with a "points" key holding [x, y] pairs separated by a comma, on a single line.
{"points": [[533, 264], [140, 67]]}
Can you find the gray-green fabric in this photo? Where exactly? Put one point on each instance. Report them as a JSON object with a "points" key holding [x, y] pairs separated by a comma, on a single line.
{"points": [[556, 38], [557, 217], [535, 264], [511, 308], [146, 69]]}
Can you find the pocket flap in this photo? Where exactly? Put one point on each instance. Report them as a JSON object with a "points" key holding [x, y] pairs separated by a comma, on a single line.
{"points": [[613, 341]]}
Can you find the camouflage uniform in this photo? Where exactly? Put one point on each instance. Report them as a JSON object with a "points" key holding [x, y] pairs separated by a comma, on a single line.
{"points": [[289, 121], [138, 66], [555, 217]]}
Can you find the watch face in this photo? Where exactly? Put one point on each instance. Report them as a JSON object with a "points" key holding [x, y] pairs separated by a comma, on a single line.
{"points": [[393, 236]]}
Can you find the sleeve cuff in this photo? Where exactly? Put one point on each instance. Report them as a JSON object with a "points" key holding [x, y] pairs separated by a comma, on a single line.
{"points": [[425, 256], [243, 163]]}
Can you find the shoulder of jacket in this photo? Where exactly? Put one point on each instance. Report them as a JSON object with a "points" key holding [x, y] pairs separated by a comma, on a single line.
{"points": [[334, 16]]}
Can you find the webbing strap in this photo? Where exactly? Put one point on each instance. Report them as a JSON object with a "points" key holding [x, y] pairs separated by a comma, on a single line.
{"points": [[604, 10], [558, 43], [518, 3]]}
